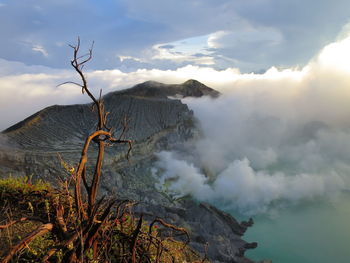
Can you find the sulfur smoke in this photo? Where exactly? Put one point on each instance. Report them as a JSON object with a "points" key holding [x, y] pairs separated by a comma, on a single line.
{"points": [[270, 140]]}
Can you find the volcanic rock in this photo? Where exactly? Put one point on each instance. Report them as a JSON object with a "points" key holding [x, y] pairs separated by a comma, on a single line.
{"points": [[157, 121]]}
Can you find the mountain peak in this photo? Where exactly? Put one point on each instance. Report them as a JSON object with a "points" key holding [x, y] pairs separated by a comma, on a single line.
{"points": [[190, 88], [192, 82], [143, 93], [194, 88]]}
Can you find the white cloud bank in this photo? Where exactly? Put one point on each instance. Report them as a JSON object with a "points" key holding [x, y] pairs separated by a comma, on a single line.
{"points": [[241, 187], [27, 89], [271, 139]]}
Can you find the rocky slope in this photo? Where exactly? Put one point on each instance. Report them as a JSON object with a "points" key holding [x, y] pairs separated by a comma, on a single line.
{"points": [[35, 146]]}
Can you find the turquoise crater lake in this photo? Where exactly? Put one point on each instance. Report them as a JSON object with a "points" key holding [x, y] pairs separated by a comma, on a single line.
{"points": [[317, 232]]}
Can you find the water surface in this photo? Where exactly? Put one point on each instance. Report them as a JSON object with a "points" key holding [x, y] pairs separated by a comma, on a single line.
{"points": [[309, 233]]}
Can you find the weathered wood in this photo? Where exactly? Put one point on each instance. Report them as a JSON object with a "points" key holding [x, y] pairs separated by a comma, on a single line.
{"points": [[13, 222], [43, 229]]}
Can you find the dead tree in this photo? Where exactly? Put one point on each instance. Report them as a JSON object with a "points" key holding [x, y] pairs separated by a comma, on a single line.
{"points": [[90, 213], [102, 135], [87, 225]]}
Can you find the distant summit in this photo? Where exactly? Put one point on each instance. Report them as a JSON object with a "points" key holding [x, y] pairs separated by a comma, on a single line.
{"points": [[190, 88], [147, 105]]}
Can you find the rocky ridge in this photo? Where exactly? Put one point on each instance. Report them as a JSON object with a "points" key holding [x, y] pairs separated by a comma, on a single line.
{"points": [[157, 122]]}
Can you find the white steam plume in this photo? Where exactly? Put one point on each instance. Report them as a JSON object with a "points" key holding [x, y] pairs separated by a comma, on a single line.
{"points": [[278, 137]]}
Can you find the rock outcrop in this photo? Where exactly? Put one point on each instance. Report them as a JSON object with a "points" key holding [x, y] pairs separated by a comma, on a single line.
{"points": [[157, 121]]}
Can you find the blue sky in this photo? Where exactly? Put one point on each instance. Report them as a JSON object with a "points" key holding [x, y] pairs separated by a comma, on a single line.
{"points": [[167, 34]]}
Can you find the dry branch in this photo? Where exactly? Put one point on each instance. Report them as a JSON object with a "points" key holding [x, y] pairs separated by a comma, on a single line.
{"points": [[43, 229], [13, 222], [167, 225]]}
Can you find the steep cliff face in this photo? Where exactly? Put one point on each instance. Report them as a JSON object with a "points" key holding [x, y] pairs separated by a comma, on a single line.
{"points": [[156, 122]]}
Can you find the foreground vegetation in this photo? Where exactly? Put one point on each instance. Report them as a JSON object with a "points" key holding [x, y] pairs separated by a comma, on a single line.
{"points": [[25, 205]]}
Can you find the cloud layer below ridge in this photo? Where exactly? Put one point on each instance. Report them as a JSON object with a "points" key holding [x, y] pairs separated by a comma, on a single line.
{"points": [[271, 139]]}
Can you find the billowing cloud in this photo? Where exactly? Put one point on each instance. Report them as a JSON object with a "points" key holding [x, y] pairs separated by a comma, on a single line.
{"points": [[27, 89], [241, 187], [271, 139]]}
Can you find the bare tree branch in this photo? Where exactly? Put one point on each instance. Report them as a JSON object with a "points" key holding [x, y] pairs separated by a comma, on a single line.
{"points": [[69, 82], [43, 229], [13, 222]]}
